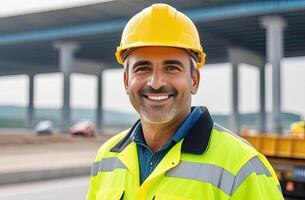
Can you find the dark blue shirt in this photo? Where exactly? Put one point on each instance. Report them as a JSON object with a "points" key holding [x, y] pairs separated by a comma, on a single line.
{"points": [[148, 160]]}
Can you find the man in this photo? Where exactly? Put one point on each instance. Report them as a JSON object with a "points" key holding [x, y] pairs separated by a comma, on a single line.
{"points": [[174, 151]]}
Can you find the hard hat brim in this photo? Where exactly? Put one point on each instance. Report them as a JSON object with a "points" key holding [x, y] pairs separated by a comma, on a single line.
{"points": [[120, 57]]}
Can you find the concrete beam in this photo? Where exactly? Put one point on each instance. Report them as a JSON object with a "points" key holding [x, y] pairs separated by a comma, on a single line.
{"points": [[197, 15], [16, 67], [83, 66], [243, 55], [87, 67], [22, 72]]}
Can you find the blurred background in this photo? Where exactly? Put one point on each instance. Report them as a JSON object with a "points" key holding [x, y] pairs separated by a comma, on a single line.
{"points": [[62, 94]]}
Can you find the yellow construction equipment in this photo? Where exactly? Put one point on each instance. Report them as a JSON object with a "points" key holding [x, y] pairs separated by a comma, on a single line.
{"points": [[286, 153]]}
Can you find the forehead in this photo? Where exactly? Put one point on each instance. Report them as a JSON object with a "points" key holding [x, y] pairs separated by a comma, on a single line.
{"points": [[158, 54]]}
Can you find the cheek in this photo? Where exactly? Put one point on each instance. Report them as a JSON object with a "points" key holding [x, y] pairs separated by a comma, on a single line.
{"points": [[135, 85], [185, 84]]}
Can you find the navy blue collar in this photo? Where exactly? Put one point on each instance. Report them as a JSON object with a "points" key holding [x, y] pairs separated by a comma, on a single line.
{"points": [[195, 142]]}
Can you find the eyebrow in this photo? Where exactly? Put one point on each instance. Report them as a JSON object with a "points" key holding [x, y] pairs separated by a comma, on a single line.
{"points": [[173, 62], [141, 62], [166, 62]]}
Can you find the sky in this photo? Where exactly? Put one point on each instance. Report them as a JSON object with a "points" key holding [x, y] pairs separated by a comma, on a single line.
{"points": [[214, 90], [16, 7]]}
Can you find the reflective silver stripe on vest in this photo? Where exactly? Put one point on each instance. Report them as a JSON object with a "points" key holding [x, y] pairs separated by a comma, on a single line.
{"points": [[106, 165], [253, 165], [213, 174], [217, 176]]}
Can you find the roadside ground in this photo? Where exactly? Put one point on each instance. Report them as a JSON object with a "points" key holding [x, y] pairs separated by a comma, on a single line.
{"points": [[29, 157]]}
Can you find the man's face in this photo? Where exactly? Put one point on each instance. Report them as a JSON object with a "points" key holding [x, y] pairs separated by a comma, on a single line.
{"points": [[160, 84]]}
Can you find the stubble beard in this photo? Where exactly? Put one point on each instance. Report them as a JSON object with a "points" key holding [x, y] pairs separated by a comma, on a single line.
{"points": [[164, 118]]}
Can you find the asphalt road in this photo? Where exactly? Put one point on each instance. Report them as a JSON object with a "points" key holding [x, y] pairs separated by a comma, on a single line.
{"points": [[61, 189]]}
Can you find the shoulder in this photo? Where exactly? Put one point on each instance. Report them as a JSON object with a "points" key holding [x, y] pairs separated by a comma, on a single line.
{"points": [[242, 163], [222, 134], [235, 149], [104, 150]]}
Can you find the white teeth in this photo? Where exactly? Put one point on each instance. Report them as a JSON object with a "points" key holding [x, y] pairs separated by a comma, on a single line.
{"points": [[158, 98]]}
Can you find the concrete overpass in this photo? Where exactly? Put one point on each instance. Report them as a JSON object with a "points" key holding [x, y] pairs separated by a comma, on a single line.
{"points": [[84, 39]]}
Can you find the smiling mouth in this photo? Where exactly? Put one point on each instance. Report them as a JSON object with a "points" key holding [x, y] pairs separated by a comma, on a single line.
{"points": [[157, 98]]}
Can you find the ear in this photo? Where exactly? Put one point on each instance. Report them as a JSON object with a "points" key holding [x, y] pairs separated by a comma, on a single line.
{"points": [[196, 81], [125, 79]]}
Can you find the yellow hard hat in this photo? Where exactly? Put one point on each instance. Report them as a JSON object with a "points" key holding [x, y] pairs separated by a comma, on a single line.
{"points": [[161, 25]]}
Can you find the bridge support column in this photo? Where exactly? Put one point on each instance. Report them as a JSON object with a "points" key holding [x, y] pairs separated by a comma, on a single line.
{"points": [[99, 103], [275, 26], [66, 59], [30, 108]]}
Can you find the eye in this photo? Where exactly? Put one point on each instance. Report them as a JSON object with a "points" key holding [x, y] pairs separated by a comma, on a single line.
{"points": [[142, 69], [172, 68]]}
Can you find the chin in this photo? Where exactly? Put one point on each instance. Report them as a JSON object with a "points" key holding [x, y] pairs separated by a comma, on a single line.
{"points": [[158, 119]]}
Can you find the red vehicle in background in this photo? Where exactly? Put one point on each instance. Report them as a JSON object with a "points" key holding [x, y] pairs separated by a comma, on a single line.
{"points": [[83, 128]]}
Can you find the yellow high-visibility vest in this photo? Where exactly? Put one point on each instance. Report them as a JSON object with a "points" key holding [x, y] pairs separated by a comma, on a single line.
{"points": [[209, 163]]}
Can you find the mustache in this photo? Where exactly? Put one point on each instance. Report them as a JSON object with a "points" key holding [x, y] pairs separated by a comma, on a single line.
{"points": [[162, 89]]}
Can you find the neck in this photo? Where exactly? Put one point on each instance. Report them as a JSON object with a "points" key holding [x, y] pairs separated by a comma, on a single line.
{"points": [[156, 135]]}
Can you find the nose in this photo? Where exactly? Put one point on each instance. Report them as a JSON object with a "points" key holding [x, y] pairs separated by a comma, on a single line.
{"points": [[156, 80]]}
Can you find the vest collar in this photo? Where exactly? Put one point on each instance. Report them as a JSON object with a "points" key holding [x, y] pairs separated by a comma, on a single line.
{"points": [[195, 142]]}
